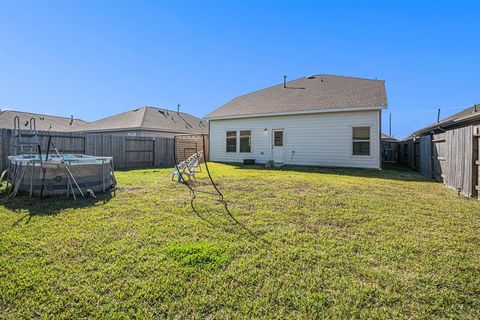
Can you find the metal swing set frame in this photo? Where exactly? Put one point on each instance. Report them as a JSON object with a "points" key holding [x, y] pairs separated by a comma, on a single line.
{"points": [[180, 170]]}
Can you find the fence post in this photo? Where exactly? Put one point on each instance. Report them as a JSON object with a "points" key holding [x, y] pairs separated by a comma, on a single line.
{"points": [[476, 163]]}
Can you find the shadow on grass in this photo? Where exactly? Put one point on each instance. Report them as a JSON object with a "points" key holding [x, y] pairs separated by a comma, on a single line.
{"points": [[388, 172], [50, 206], [222, 219]]}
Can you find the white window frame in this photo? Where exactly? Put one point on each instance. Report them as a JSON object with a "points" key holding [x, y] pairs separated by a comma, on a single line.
{"points": [[236, 142], [239, 141], [361, 125]]}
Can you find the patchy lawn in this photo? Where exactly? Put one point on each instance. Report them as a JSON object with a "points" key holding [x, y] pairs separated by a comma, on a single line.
{"points": [[332, 243]]}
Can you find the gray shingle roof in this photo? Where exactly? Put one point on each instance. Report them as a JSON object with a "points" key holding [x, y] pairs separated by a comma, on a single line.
{"points": [[319, 92], [469, 114], [148, 118], [43, 121]]}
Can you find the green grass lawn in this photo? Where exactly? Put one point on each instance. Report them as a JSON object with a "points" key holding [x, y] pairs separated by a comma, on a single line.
{"points": [[309, 243]]}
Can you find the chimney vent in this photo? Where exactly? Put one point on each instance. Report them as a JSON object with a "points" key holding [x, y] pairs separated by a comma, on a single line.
{"points": [[178, 109], [284, 81], [71, 120]]}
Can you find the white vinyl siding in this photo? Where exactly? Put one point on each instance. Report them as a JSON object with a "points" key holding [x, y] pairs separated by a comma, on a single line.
{"points": [[323, 139]]}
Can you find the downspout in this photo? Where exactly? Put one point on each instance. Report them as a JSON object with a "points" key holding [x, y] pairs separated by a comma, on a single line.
{"points": [[209, 142]]}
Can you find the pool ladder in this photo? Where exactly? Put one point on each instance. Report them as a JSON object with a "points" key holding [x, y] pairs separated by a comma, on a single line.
{"points": [[21, 145]]}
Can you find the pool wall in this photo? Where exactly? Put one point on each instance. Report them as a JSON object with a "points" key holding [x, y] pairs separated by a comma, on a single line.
{"points": [[89, 173]]}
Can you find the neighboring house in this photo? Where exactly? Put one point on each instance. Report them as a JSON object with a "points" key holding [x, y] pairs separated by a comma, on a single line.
{"points": [[43, 122], [320, 120], [389, 147], [147, 121], [447, 151]]}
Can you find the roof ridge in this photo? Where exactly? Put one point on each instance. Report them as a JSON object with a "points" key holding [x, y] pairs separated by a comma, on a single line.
{"points": [[169, 110], [117, 114], [142, 121], [349, 77], [39, 114]]}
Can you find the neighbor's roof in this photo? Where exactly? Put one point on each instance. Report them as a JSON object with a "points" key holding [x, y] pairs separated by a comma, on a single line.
{"points": [[43, 122], [307, 94], [148, 118], [457, 119], [386, 137]]}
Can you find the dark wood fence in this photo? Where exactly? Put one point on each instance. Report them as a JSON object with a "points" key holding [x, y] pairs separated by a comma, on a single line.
{"points": [[389, 151], [127, 151], [452, 157]]}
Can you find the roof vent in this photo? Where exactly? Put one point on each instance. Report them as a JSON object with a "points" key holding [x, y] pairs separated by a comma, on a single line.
{"points": [[476, 107], [136, 110], [311, 77], [162, 112]]}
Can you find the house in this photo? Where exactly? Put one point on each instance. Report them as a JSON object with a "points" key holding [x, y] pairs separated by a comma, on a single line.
{"points": [[389, 147], [320, 120], [447, 151], [147, 121], [43, 122]]}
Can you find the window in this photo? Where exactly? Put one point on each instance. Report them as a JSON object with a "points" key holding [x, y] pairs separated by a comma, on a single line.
{"points": [[278, 138], [231, 141], [245, 140], [361, 141]]}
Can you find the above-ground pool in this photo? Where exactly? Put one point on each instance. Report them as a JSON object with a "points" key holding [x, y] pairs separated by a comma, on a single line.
{"points": [[60, 174]]}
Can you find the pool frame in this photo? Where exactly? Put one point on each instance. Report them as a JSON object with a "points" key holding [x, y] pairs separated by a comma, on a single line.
{"points": [[58, 173]]}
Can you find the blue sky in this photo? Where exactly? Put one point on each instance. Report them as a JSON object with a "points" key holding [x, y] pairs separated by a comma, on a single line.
{"points": [[96, 58]]}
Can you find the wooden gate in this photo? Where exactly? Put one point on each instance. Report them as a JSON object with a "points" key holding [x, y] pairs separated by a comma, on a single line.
{"points": [[438, 156], [416, 155], [64, 143], [139, 152]]}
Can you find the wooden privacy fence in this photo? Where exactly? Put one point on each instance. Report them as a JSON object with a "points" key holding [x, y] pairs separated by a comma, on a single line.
{"points": [[452, 157], [389, 151], [127, 151]]}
